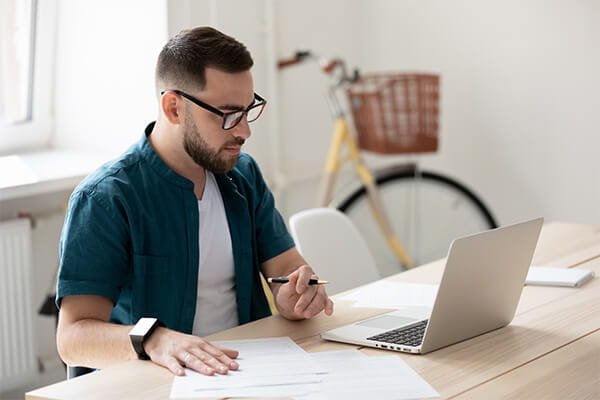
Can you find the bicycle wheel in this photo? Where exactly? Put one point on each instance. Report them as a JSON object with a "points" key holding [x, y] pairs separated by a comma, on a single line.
{"points": [[426, 210]]}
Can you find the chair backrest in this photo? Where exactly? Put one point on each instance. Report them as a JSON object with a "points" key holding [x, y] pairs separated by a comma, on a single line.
{"points": [[74, 372], [331, 244]]}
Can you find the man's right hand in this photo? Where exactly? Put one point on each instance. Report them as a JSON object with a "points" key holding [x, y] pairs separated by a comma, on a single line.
{"points": [[86, 338], [175, 350]]}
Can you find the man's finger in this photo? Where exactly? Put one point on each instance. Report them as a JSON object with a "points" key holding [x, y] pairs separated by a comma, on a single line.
{"points": [[292, 280], [197, 362], [328, 301], [316, 306], [305, 299], [305, 273], [219, 358], [215, 364], [319, 303], [174, 366], [329, 307], [231, 354]]}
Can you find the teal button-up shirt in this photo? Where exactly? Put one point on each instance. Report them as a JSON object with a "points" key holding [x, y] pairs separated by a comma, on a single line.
{"points": [[131, 234]]}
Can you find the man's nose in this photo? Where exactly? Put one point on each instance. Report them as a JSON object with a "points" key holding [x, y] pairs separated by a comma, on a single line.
{"points": [[242, 129]]}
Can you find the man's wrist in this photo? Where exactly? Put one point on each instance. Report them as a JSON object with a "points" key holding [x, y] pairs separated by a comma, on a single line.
{"points": [[140, 333]]}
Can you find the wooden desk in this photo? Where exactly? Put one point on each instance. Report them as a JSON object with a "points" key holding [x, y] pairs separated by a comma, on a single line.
{"points": [[550, 350]]}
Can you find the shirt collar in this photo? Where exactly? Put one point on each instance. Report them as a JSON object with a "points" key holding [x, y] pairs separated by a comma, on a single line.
{"points": [[166, 172], [157, 164]]}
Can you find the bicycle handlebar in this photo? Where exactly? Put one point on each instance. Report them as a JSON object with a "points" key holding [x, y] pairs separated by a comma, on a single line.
{"points": [[328, 66], [296, 59]]}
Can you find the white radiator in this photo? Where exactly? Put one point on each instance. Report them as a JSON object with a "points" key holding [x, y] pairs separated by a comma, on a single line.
{"points": [[17, 356]]}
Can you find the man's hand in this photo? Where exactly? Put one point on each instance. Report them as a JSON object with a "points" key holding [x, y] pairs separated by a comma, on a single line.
{"points": [[173, 350], [86, 338], [297, 299]]}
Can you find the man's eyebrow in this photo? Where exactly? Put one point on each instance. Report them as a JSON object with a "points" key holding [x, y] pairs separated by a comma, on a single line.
{"points": [[232, 107], [236, 107]]}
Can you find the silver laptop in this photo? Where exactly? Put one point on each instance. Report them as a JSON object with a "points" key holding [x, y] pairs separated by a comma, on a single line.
{"points": [[479, 292]]}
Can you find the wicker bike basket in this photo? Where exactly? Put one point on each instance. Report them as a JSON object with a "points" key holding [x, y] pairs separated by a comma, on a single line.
{"points": [[396, 113]]}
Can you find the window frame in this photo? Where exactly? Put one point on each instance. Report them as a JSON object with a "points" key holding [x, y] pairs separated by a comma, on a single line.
{"points": [[36, 132]]}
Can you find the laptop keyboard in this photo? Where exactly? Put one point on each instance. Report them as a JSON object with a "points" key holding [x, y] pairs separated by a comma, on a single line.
{"points": [[410, 336]]}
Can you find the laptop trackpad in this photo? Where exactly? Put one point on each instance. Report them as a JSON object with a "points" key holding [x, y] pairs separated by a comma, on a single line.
{"points": [[388, 322]]}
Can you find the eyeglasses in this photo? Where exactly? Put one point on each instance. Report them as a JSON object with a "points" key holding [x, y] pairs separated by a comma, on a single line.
{"points": [[230, 119]]}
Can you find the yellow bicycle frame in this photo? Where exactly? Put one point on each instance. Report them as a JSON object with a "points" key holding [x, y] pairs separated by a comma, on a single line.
{"points": [[341, 137]]}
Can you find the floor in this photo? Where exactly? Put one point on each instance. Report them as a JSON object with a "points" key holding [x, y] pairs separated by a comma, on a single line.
{"points": [[48, 377]]}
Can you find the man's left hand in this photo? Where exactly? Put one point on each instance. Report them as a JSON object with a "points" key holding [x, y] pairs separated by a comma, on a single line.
{"points": [[297, 299]]}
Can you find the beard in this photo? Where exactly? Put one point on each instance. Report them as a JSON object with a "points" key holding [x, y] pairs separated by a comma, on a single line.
{"points": [[215, 161]]}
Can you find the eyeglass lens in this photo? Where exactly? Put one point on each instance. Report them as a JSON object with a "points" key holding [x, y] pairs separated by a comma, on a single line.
{"points": [[252, 114]]}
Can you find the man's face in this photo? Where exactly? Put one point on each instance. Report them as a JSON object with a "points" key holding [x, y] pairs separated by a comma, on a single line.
{"points": [[204, 140]]}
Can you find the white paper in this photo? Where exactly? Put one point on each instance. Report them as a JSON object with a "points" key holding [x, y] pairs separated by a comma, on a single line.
{"points": [[552, 276], [268, 367], [387, 377], [393, 295], [337, 355]]}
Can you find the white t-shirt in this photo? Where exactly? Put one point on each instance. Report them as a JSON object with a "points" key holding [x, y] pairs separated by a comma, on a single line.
{"points": [[216, 305]]}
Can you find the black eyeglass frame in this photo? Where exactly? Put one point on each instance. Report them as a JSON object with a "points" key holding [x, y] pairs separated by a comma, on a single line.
{"points": [[261, 103]]}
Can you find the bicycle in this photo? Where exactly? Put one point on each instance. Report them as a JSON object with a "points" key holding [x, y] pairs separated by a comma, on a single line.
{"points": [[394, 114]]}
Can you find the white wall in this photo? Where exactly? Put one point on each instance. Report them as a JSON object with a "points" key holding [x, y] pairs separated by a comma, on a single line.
{"points": [[106, 53], [520, 118]]}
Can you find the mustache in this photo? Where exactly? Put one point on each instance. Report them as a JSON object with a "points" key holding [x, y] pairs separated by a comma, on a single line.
{"points": [[237, 141]]}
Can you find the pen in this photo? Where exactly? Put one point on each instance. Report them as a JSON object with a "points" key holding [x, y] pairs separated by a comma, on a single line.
{"points": [[286, 280]]}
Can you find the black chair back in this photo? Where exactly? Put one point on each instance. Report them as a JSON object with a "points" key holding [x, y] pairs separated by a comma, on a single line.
{"points": [[74, 372]]}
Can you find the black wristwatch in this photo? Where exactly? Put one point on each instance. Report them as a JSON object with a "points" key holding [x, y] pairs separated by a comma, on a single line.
{"points": [[140, 333]]}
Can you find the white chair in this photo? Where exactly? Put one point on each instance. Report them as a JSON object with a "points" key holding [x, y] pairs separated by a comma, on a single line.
{"points": [[331, 244]]}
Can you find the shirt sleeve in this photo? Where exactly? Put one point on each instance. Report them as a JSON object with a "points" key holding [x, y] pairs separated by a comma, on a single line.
{"points": [[93, 248], [272, 234]]}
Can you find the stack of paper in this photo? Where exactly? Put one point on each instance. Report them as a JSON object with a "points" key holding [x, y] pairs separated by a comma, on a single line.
{"points": [[394, 295], [268, 368], [352, 375], [279, 368]]}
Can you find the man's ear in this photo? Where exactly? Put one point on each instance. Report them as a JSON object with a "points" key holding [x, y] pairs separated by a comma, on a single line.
{"points": [[171, 105]]}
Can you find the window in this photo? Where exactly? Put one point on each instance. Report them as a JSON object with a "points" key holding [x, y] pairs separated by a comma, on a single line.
{"points": [[26, 59], [17, 50]]}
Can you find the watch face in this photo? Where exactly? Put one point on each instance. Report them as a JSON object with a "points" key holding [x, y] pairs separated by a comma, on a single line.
{"points": [[142, 327]]}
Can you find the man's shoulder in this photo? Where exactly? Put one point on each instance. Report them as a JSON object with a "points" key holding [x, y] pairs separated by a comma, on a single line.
{"points": [[118, 172]]}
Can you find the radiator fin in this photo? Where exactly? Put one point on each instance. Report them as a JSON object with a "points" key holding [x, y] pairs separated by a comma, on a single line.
{"points": [[17, 358]]}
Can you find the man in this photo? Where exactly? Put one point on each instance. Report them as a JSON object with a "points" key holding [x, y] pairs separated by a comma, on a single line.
{"points": [[180, 226]]}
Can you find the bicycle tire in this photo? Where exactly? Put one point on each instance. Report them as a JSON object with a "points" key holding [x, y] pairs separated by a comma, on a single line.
{"points": [[460, 210]]}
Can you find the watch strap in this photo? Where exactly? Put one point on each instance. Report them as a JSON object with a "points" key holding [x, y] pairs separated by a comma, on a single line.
{"points": [[142, 330]]}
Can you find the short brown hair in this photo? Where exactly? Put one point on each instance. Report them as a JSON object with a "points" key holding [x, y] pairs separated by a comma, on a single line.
{"points": [[183, 60]]}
